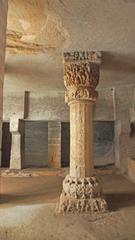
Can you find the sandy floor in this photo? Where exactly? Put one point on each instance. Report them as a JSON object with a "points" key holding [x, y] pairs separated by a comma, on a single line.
{"points": [[27, 211]]}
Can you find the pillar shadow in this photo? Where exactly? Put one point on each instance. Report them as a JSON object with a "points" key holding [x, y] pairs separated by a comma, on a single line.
{"points": [[120, 200], [28, 199], [118, 62]]}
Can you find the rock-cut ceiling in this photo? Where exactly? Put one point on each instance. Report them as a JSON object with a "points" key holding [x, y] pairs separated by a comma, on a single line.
{"points": [[32, 28], [54, 26]]}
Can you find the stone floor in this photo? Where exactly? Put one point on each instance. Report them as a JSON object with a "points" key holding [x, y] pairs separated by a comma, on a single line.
{"points": [[27, 210]]}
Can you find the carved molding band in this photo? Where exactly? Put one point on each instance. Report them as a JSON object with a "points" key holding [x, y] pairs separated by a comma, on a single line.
{"points": [[80, 93], [81, 75], [83, 56]]}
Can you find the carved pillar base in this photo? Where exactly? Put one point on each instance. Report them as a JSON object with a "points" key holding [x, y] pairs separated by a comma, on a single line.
{"points": [[82, 195]]}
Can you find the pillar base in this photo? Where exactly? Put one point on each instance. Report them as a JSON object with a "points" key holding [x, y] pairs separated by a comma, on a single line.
{"points": [[82, 195]]}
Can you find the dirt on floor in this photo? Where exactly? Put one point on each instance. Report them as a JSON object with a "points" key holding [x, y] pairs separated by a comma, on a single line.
{"points": [[28, 210]]}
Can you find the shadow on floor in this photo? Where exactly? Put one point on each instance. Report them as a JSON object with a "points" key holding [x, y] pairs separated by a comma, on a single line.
{"points": [[115, 200], [120, 200], [28, 199]]}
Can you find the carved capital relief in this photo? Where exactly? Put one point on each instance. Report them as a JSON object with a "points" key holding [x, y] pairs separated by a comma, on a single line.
{"points": [[81, 75]]}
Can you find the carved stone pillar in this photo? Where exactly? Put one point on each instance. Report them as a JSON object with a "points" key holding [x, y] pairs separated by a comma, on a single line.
{"points": [[15, 155], [82, 191], [15, 158]]}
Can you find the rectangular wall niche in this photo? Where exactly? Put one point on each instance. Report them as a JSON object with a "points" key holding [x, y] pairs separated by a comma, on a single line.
{"points": [[6, 145], [103, 143], [65, 144], [34, 143]]}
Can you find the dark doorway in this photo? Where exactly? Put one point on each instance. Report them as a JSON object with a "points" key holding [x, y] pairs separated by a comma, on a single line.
{"points": [[65, 144], [6, 145]]}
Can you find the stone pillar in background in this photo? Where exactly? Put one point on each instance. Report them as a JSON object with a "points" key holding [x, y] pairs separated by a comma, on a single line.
{"points": [[82, 191], [3, 24], [122, 127], [15, 156], [54, 144]]}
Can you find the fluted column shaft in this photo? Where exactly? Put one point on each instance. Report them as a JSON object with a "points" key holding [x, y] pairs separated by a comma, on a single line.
{"points": [[81, 76], [81, 139]]}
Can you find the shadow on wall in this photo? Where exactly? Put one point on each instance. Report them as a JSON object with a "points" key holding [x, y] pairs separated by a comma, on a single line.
{"points": [[132, 141], [120, 200], [132, 129], [118, 62]]}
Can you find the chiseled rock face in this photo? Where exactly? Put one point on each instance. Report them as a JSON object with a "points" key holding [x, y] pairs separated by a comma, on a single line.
{"points": [[33, 28]]}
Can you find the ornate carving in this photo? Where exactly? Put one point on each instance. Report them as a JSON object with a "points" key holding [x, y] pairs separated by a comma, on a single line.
{"points": [[82, 56], [82, 195], [81, 76], [85, 74], [84, 93]]}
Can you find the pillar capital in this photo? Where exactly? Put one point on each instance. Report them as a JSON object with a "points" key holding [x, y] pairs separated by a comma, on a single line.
{"points": [[81, 75]]}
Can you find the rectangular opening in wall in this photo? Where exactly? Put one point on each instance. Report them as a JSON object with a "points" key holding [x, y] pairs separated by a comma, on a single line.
{"points": [[35, 144], [103, 143], [65, 144], [6, 145]]}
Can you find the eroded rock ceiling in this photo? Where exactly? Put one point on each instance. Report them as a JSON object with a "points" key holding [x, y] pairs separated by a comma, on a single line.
{"points": [[51, 27], [38, 25], [32, 28]]}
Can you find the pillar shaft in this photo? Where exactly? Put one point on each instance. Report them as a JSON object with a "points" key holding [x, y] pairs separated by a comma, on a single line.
{"points": [[81, 139]]}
